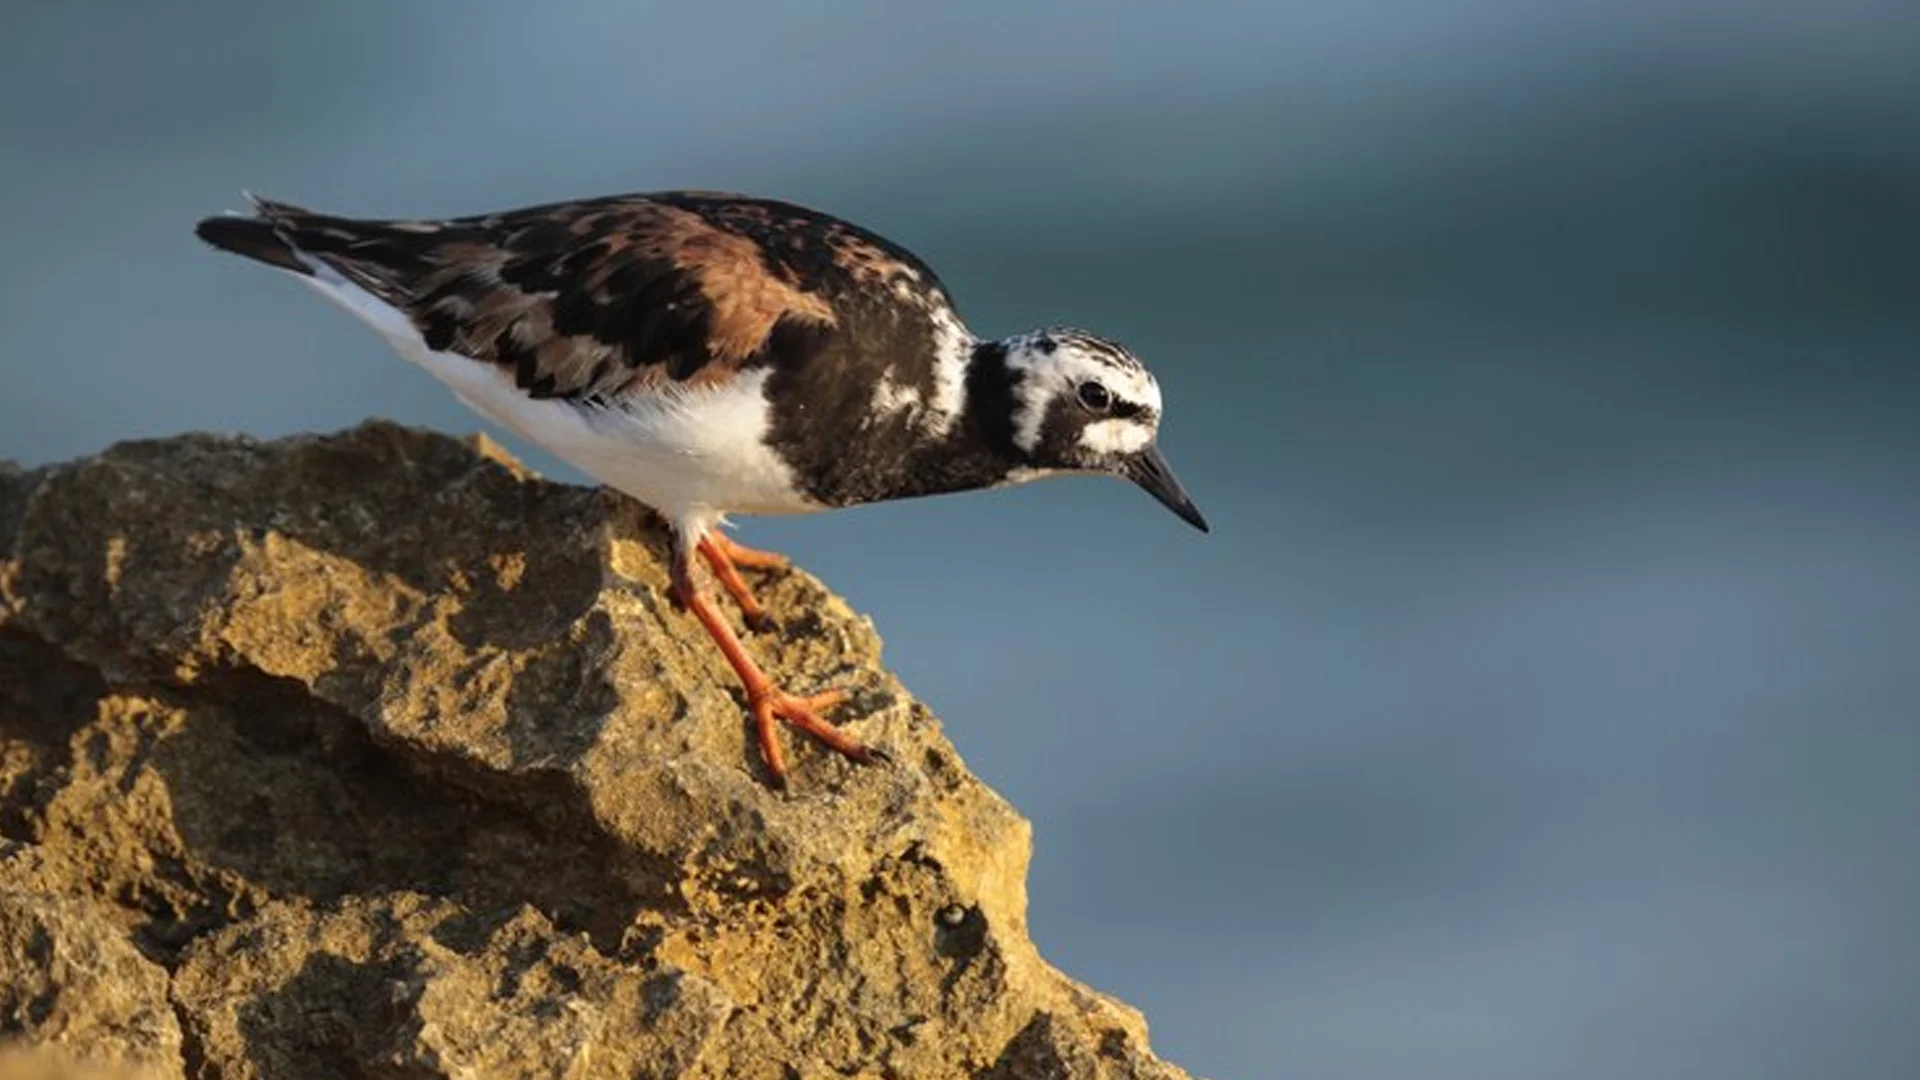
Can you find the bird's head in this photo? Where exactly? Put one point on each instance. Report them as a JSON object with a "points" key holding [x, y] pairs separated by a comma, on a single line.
{"points": [[1081, 403]]}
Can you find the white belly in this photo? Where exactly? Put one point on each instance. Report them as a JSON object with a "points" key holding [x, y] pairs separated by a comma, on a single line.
{"points": [[683, 451], [692, 453]]}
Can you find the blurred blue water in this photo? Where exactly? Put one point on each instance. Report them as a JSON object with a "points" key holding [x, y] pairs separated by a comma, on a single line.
{"points": [[1544, 702]]}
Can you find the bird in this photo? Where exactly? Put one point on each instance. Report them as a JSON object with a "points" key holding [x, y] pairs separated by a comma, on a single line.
{"points": [[713, 354]]}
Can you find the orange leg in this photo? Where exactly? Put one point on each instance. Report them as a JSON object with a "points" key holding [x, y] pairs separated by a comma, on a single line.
{"points": [[742, 555], [726, 557], [766, 701]]}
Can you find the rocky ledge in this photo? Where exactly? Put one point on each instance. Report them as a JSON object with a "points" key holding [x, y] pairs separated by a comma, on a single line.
{"points": [[375, 755]]}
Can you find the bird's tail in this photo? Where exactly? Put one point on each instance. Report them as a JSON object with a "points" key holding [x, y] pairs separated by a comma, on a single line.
{"points": [[262, 238]]}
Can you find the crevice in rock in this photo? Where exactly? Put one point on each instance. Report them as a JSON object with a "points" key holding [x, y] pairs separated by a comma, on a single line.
{"points": [[395, 818], [193, 1053], [44, 699], [273, 794]]}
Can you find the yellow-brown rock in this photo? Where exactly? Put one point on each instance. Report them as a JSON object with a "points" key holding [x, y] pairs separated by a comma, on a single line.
{"points": [[374, 755]]}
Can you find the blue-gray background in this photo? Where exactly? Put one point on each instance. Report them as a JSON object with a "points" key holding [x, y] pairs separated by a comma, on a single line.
{"points": [[1546, 702]]}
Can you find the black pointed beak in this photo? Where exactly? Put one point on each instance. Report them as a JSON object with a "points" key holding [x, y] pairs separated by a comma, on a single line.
{"points": [[1150, 470]]}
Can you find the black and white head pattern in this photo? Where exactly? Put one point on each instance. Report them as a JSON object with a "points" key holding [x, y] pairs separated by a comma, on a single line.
{"points": [[1079, 401]]}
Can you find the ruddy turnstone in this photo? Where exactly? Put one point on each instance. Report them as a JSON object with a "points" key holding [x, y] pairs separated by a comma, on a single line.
{"points": [[713, 354]]}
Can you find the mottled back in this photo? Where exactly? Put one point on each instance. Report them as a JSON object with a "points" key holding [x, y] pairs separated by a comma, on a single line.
{"points": [[594, 299]]}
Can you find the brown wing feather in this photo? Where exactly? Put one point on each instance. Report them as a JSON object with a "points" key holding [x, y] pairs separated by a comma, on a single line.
{"points": [[584, 300]]}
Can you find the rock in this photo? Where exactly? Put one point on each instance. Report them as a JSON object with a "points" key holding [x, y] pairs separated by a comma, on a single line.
{"points": [[74, 984], [376, 755]]}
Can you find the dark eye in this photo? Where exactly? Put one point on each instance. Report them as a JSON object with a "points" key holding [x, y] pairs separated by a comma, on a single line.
{"points": [[1095, 397]]}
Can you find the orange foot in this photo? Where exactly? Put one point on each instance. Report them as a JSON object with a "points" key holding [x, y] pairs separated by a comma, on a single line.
{"points": [[726, 557], [766, 701], [770, 702]]}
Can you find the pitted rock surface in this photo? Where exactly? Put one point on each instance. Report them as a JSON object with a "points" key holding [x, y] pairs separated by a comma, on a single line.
{"points": [[374, 754]]}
